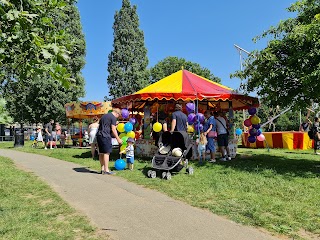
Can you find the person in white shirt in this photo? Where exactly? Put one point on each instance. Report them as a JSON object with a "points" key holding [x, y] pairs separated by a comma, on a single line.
{"points": [[223, 135]]}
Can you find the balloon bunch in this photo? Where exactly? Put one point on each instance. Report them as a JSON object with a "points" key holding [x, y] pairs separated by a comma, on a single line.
{"points": [[253, 122], [126, 129], [194, 119]]}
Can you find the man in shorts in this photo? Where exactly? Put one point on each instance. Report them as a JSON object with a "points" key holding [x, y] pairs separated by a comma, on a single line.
{"points": [[48, 131], [222, 138], [107, 127], [179, 120]]}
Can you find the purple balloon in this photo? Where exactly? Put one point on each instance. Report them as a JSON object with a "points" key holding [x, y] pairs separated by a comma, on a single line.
{"points": [[191, 118], [256, 126], [200, 117], [125, 113], [251, 139], [259, 132], [198, 127], [252, 111], [253, 132], [133, 121], [190, 107]]}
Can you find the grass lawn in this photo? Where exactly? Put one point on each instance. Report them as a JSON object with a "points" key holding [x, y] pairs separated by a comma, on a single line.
{"points": [[277, 190], [29, 209]]}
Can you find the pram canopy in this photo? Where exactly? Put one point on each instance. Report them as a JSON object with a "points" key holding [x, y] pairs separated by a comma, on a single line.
{"points": [[177, 140]]}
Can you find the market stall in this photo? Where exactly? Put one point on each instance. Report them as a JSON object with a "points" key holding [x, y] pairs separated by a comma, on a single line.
{"points": [[85, 110], [183, 87]]}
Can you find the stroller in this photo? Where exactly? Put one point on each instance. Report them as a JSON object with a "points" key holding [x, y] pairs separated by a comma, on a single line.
{"points": [[174, 151]]}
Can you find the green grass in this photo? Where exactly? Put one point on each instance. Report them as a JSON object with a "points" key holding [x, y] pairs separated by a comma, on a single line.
{"points": [[277, 190], [29, 209]]}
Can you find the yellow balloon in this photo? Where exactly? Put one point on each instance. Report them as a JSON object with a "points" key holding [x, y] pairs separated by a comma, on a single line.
{"points": [[255, 120], [120, 127], [122, 135], [123, 147], [131, 134], [157, 127], [190, 129]]}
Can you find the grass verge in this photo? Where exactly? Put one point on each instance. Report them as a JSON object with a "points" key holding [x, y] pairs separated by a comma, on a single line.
{"points": [[277, 190], [29, 209]]}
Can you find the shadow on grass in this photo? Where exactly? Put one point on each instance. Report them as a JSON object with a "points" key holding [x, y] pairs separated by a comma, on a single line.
{"points": [[84, 170], [271, 165], [83, 155]]}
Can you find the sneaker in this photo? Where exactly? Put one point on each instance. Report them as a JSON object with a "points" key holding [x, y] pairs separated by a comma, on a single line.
{"points": [[212, 161], [45, 148], [223, 159], [316, 153], [109, 173]]}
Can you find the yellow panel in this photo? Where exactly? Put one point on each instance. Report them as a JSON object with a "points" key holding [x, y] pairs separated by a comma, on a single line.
{"points": [[170, 84], [287, 140], [268, 139], [307, 142]]}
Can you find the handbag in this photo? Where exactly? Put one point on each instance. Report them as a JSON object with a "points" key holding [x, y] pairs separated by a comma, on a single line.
{"points": [[212, 134]]}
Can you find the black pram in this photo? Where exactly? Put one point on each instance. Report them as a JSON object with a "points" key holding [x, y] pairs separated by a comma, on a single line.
{"points": [[174, 151]]}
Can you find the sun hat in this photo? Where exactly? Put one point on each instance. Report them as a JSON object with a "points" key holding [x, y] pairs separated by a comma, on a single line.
{"points": [[130, 140], [177, 152]]}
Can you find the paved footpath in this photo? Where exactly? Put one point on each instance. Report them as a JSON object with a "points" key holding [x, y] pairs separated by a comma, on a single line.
{"points": [[127, 211]]}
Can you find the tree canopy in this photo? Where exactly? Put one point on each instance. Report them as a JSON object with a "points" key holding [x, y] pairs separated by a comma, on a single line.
{"points": [[171, 65], [127, 65], [41, 72], [4, 115], [287, 71]]}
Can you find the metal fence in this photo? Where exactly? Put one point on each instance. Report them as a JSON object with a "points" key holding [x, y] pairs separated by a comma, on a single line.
{"points": [[6, 138]]}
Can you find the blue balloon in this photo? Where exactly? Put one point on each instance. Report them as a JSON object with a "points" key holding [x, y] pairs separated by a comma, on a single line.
{"points": [[120, 164], [128, 127], [238, 131]]}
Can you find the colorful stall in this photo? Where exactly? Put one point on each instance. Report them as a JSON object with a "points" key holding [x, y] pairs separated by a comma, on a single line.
{"points": [[86, 110], [183, 87], [288, 140]]}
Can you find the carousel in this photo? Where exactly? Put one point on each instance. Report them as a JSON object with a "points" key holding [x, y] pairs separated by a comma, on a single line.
{"points": [[78, 111], [196, 94]]}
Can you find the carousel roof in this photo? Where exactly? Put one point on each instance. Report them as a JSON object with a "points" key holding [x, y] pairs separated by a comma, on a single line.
{"points": [[187, 86]]}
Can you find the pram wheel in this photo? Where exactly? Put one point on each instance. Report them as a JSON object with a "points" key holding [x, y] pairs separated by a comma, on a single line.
{"points": [[149, 173], [168, 176], [153, 174], [190, 170], [164, 175]]}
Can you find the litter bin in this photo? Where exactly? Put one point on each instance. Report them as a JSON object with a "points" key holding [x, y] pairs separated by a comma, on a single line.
{"points": [[19, 138]]}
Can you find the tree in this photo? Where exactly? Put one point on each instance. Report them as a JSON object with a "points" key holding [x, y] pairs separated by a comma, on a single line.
{"points": [[287, 71], [29, 42], [127, 65], [171, 65], [38, 96], [4, 115]]}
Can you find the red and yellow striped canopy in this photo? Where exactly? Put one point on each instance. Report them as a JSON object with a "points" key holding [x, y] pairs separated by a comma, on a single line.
{"points": [[186, 86]]}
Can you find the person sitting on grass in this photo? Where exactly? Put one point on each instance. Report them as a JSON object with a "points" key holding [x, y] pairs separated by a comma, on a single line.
{"points": [[129, 150]]}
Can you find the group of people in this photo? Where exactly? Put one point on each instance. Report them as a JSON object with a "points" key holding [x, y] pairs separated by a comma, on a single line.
{"points": [[52, 135], [215, 128]]}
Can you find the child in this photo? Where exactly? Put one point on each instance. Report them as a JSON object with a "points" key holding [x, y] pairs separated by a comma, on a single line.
{"points": [[39, 137], [63, 137], [129, 153], [202, 142]]}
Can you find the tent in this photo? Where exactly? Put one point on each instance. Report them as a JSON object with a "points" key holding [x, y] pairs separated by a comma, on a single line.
{"points": [[187, 86]]}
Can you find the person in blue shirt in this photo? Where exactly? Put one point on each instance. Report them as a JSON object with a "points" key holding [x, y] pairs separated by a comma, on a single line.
{"points": [[209, 128]]}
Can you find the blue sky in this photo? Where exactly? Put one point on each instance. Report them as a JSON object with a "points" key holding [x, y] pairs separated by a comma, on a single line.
{"points": [[202, 31]]}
